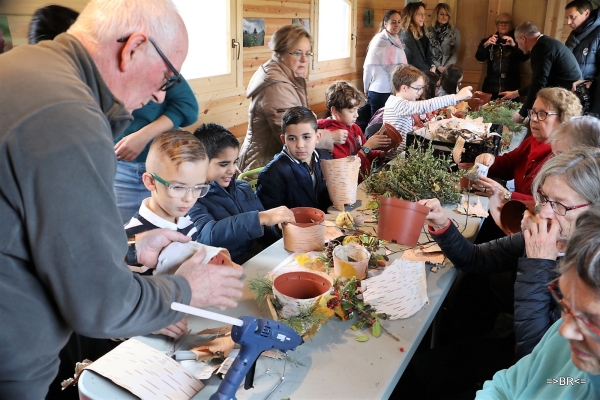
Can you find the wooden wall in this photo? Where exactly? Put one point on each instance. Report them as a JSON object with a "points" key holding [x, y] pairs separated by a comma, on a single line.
{"points": [[474, 18]]}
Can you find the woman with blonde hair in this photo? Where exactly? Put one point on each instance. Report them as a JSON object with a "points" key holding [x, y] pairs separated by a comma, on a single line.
{"points": [[384, 54], [279, 84], [412, 34], [444, 38]]}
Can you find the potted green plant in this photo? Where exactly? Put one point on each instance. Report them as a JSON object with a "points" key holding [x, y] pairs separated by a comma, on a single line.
{"points": [[421, 175]]}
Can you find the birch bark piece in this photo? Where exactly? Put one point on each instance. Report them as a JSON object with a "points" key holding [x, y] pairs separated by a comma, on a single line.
{"points": [[341, 176]]}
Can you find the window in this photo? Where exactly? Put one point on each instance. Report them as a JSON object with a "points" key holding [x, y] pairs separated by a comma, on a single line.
{"points": [[334, 27], [214, 57]]}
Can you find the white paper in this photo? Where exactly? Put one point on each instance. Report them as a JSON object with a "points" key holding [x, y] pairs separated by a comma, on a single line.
{"points": [[146, 372], [399, 291], [200, 370], [176, 253]]}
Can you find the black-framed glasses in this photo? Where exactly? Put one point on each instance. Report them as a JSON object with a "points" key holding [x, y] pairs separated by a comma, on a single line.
{"points": [[503, 23], [558, 208], [298, 54], [563, 307], [180, 191], [173, 80], [540, 115], [417, 89]]}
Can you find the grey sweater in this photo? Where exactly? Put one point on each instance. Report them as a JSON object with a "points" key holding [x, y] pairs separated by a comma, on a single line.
{"points": [[62, 243]]}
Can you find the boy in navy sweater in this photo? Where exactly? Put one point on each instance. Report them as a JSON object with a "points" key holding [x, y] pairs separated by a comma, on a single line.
{"points": [[294, 177], [231, 215]]}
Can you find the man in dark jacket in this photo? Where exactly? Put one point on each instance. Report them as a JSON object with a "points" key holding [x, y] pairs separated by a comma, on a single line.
{"points": [[552, 64], [503, 57], [584, 41]]}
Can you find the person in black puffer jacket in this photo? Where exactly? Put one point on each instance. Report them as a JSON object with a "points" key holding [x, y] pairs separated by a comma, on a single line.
{"points": [[584, 41], [502, 59], [533, 253]]}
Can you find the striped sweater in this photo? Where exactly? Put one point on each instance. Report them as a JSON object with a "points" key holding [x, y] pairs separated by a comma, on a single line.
{"points": [[399, 112]]}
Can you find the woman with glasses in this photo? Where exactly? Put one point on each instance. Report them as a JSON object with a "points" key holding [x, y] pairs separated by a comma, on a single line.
{"points": [[566, 362], [443, 37], [564, 188], [552, 107], [503, 56], [279, 84], [384, 54], [412, 34]]}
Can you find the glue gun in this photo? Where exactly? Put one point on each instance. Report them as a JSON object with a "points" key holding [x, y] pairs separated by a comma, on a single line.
{"points": [[254, 335]]}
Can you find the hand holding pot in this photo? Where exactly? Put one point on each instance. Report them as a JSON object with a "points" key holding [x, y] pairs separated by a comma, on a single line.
{"points": [[464, 93], [211, 284], [486, 159], [540, 239], [378, 142], [436, 218], [276, 216], [487, 187]]}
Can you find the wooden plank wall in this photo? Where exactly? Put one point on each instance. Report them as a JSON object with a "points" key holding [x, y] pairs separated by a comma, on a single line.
{"points": [[474, 18]]}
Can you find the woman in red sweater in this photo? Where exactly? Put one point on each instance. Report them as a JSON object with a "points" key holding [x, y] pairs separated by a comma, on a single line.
{"points": [[552, 107]]}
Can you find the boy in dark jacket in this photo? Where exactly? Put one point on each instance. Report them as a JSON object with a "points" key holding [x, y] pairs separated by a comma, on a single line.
{"points": [[294, 177], [230, 215]]}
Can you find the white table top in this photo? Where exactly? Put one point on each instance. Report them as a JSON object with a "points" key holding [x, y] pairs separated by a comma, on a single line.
{"points": [[336, 365]]}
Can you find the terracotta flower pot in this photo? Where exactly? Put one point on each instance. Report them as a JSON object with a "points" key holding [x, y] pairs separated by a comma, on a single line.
{"points": [[391, 132], [465, 183], [479, 99], [307, 233], [341, 255], [299, 290], [512, 212], [400, 221]]}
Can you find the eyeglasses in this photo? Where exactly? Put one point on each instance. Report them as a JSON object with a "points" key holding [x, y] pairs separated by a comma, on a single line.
{"points": [[563, 307], [298, 54], [558, 208], [503, 23], [173, 80], [179, 191], [417, 89], [420, 14], [540, 115]]}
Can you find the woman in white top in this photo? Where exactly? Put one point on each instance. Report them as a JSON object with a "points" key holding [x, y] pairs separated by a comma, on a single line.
{"points": [[384, 54], [444, 38]]}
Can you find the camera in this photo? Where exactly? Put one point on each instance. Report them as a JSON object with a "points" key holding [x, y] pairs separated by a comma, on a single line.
{"points": [[583, 93], [501, 41]]}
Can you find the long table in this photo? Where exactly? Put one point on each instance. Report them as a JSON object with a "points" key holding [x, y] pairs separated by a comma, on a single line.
{"points": [[335, 365]]}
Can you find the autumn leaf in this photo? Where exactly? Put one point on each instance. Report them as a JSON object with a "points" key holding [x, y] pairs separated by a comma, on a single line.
{"points": [[303, 259], [348, 270]]}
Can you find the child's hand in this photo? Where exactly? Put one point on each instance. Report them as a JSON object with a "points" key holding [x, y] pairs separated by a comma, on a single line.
{"points": [[339, 136], [464, 93], [175, 330], [276, 216], [378, 142]]}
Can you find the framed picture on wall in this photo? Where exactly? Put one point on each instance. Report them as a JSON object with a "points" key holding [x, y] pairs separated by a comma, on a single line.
{"points": [[254, 32], [304, 22], [5, 37], [368, 18]]}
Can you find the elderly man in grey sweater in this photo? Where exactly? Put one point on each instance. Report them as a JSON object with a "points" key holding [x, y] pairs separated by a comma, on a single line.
{"points": [[62, 243]]}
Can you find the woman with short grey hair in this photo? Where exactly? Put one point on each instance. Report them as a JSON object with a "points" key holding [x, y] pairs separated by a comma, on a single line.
{"points": [[565, 186]]}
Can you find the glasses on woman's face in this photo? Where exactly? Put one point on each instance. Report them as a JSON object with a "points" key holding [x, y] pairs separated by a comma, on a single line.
{"points": [[298, 54], [558, 208], [582, 324], [503, 23], [180, 191], [540, 115], [420, 14]]}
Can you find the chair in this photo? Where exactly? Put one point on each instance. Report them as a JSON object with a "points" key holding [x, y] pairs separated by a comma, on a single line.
{"points": [[372, 129], [251, 173]]}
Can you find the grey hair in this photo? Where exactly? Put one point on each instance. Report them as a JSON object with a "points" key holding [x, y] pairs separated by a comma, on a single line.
{"points": [[503, 15], [527, 29], [583, 248], [103, 21], [580, 167], [579, 131]]}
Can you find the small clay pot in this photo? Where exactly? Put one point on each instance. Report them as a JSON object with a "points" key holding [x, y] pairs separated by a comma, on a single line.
{"points": [[474, 103], [484, 97], [400, 221], [299, 290], [307, 233], [464, 182], [512, 212], [357, 253], [391, 132]]}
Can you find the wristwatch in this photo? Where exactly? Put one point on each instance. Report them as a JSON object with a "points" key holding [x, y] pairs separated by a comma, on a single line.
{"points": [[365, 150], [131, 257], [507, 196]]}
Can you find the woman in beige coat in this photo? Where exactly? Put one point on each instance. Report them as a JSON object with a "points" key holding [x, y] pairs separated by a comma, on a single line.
{"points": [[278, 85]]}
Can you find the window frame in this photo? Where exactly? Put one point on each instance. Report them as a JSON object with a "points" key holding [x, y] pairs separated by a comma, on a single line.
{"points": [[340, 66]]}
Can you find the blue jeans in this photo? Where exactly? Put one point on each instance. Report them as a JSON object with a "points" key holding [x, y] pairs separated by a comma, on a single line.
{"points": [[129, 188], [377, 100]]}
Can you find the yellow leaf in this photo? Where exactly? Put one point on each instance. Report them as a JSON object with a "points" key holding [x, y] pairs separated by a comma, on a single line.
{"points": [[340, 312], [348, 270], [304, 259], [318, 265], [350, 239]]}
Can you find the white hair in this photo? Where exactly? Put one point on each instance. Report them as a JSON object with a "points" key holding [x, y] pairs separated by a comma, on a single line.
{"points": [[103, 21]]}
